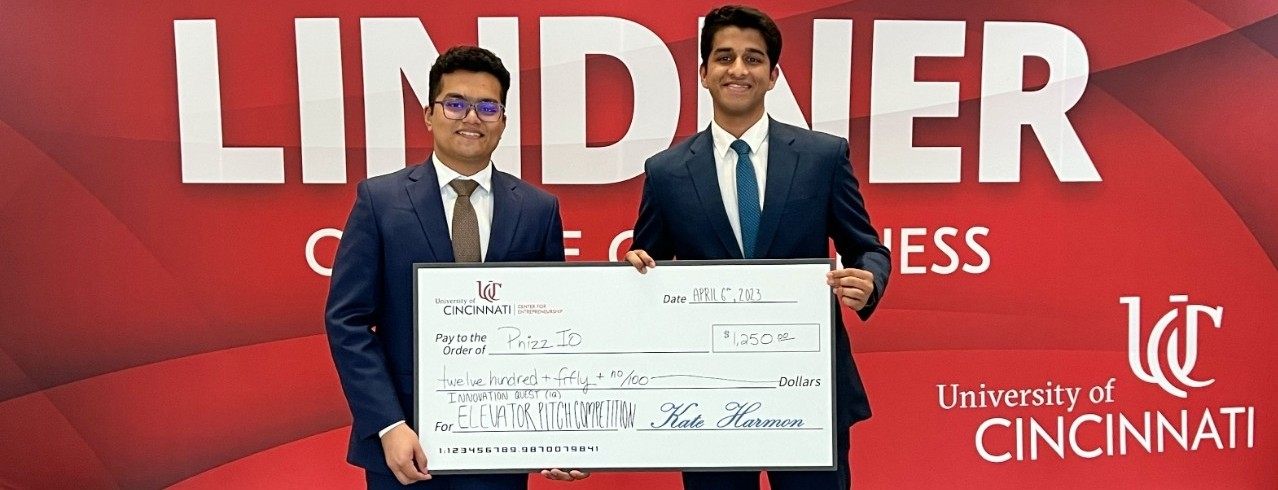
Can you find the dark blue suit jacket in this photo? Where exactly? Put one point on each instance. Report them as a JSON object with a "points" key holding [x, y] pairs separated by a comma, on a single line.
{"points": [[398, 220], [811, 198]]}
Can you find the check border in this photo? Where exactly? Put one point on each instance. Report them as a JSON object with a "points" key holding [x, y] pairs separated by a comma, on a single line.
{"points": [[834, 317]]}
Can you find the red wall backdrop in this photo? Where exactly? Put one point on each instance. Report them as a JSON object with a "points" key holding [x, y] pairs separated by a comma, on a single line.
{"points": [[159, 332]]}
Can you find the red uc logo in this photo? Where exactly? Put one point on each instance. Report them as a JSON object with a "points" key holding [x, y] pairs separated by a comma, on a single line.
{"points": [[488, 291]]}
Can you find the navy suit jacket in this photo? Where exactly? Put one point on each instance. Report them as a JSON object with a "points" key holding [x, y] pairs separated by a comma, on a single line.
{"points": [[398, 220], [811, 198]]}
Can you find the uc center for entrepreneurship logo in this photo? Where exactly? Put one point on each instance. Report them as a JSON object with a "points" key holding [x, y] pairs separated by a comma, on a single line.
{"points": [[488, 291]]}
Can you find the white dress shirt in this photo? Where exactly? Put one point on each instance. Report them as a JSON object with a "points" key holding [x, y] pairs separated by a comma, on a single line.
{"points": [[481, 199], [725, 163]]}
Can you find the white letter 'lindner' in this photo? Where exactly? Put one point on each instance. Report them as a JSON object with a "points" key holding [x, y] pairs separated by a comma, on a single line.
{"points": [[205, 160]]}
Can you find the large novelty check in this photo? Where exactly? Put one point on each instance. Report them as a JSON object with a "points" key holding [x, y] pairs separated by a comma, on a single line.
{"points": [[694, 365]]}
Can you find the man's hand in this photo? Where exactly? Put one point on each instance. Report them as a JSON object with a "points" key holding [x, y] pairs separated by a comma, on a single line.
{"points": [[573, 475], [852, 286], [640, 260], [404, 455]]}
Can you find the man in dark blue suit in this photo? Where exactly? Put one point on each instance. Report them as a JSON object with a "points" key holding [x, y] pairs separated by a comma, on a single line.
{"points": [[750, 187], [455, 207]]}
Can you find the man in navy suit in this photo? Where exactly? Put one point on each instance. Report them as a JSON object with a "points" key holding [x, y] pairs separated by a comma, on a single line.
{"points": [[455, 207], [750, 187]]}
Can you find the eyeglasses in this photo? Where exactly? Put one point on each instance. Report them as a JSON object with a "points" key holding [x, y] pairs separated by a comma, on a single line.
{"points": [[457, 108]]}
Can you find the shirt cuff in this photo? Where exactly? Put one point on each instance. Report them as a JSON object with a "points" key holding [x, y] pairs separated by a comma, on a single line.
{"points": [[382, 433]]}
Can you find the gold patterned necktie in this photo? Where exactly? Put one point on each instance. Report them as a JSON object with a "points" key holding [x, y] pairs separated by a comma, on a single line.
{"points": [[465, 223]]}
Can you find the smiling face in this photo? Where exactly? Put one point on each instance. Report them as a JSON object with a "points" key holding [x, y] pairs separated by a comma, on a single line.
{"points": [[465, 145], [738, 76]]}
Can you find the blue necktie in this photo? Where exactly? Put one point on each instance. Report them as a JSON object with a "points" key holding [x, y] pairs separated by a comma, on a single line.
{"points": [[747, 198]]}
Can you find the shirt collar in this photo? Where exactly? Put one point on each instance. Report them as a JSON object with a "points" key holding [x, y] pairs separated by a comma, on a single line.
{"points": [[753, 136], [483, 177]]}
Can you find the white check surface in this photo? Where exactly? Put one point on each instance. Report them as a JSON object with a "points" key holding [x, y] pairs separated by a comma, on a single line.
{"points": [[595, 366]]}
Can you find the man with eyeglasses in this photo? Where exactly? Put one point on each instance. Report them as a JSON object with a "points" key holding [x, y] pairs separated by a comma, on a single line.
{"points": [[454, 207], [749, 187]]}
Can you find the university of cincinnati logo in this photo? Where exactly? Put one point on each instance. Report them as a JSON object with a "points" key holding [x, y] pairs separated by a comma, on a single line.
{"points": [[488, 291], [1178, 369]]}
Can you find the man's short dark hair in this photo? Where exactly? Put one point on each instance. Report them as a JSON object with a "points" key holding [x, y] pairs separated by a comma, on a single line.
{"points": [[468, 58], [741, 17]]}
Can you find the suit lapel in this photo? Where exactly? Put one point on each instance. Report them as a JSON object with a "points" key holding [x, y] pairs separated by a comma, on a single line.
{"points": [[423, 192], [705, 181], [783, 159], [505, 217]]}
